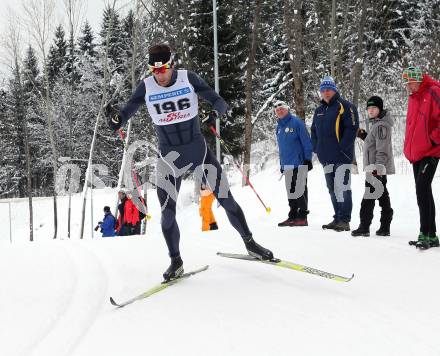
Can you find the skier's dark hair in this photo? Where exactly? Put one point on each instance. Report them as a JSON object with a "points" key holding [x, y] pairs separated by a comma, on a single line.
{"points": [[159, 53], [159, 48]]}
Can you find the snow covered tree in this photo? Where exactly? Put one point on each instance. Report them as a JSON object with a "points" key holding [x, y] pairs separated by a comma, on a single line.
{"points": [[57, 57], [86, 39]]}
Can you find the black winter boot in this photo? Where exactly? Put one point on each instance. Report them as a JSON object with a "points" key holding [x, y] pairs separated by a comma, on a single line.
{"points": [[331, 225], [361, 231], [175, 270], [257, 250], [383, 230], [385, 222]]}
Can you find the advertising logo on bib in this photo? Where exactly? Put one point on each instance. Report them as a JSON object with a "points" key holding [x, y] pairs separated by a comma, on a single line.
{"points": [[173, 116]]}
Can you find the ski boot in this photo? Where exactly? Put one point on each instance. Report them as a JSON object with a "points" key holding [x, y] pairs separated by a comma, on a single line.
{"points": [[213, 226], [257, 250], [361, 231], [330, 226], [175, 270]]}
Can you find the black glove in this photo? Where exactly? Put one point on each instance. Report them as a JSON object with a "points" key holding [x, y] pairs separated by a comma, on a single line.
{"points": [[281, 170], [362, 134], [309, 164], [211, 118], [114, 120]]}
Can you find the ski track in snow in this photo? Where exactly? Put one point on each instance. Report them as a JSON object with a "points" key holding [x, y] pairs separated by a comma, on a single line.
{"points": [[81, 304], [84, 305]]}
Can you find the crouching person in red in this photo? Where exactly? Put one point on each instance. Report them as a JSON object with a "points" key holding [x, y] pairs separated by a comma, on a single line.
{"points": [[422, 146], [128, 216]]}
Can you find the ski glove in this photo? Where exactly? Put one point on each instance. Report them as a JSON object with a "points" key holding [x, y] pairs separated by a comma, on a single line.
{"points": [[115, 122], [211, 118], [362, 134], [309, 164], [113, 118]]}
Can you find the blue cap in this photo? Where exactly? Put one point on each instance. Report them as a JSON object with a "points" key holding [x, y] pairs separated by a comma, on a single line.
{"points": [[327, 83]]}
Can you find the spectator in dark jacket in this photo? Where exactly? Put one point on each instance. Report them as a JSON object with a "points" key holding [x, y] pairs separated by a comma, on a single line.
{"points": [[334, 128], [295, 149], [378, 163], [108, 224]]}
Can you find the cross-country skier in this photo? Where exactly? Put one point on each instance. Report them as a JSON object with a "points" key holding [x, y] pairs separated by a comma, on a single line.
{"points": [[171, 97]]}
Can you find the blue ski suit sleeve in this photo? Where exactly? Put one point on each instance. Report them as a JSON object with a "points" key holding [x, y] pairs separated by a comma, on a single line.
{"points": [[304, 137], [134, 103], [206, 92]]}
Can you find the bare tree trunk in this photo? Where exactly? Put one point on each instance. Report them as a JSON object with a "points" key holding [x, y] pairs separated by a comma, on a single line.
{"points": [[338, 70], [89, 171], [29, 179], [332, 39], [359, 61], [249, 74], [294, 25], [14, 44], [40, 20]]}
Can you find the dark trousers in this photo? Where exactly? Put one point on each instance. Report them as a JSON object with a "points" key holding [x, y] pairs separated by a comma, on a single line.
{"points": [[367, 205], [298, 205], [341, 198], [170, 229], [125, 230], [136, 230], [424, 171]]}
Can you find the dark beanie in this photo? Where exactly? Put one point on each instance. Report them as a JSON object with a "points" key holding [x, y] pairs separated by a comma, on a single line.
{"points": [[159, 54], [375, 101], [106, 209]]}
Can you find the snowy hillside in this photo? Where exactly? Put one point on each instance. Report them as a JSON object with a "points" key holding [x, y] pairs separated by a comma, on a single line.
{"points": [[54, 294]]}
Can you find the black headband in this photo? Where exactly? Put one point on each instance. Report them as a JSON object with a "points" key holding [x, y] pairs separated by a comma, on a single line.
{"points": [[155, 58]]}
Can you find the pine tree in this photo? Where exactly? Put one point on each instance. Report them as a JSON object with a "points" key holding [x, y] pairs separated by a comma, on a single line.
{"points": [[111, 37], [86, 43], [57, 57]]}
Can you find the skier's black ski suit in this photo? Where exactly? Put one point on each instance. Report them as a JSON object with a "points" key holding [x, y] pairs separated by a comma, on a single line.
{"points": [[186, 139]]}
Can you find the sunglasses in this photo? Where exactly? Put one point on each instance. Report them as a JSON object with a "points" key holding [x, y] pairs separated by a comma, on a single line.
{"points": [[158, 70], [276, 106]]}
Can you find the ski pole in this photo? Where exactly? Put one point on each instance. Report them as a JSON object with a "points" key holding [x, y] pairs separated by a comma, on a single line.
{"points": [[214, 131], [147, 216]]}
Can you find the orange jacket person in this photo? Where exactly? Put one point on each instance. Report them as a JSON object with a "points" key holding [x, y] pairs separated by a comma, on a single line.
{"points": [[205, 210]]}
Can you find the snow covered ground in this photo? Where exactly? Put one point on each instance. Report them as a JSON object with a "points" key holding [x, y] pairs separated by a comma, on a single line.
{"points": [[54, 293]]}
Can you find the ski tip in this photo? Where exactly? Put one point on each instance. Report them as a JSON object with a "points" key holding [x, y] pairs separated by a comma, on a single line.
{"points": [[112, 301], [349, 279]]}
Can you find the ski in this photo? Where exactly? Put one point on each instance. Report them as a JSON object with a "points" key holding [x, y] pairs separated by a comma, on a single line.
{"points": [[158, 288], [289, 265]]}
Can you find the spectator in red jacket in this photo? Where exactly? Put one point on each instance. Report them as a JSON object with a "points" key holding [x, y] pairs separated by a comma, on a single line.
{"points": [[128, 216], [422, 146]]}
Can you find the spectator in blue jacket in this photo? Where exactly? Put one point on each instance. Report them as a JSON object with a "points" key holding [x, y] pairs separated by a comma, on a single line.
{"points": [[334, 128], [295, 149], [108, 224]]}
